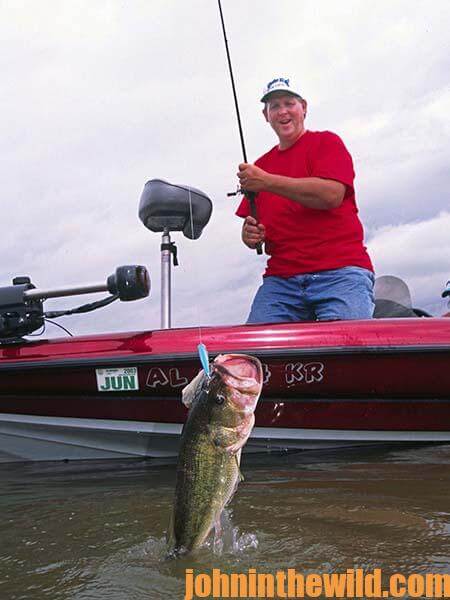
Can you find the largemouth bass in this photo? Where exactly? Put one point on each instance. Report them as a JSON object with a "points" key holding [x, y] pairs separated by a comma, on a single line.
{"points": [[219, 422]]}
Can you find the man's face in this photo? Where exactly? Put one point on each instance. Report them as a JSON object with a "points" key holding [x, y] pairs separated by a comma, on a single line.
{"points": [[286, 114]]}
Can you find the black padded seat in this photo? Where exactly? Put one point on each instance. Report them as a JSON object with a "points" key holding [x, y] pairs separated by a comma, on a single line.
{"points": [[166, 206]]}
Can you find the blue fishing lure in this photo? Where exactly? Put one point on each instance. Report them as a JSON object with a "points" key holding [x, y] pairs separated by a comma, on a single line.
{"points": [[204, 359]]}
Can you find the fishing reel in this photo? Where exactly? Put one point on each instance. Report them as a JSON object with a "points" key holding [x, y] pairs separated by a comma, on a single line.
{"points": [[238, 192], [22, 305]]}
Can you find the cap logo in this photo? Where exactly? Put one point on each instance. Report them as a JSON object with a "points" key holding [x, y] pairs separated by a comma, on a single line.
{"points": [[282, 85], [271, 84]]}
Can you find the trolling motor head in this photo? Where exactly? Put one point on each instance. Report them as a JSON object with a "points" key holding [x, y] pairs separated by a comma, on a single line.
{"points": [[130, 282]]}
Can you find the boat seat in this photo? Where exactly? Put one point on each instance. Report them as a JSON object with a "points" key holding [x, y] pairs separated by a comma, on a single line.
{"points": [[169, 207], [388, 309], [393, 299]]}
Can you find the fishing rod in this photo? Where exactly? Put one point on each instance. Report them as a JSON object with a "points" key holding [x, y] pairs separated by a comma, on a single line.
{"points": [[251, 196]]}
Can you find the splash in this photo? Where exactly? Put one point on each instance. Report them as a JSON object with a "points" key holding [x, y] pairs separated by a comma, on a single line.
{"points": [[228, 539]]}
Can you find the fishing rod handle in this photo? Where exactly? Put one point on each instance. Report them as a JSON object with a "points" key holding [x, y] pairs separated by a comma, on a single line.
{"points": [[251, 197]]}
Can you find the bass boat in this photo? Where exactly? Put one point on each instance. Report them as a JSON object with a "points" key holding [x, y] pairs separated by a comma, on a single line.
{"points": [[326, 384]]}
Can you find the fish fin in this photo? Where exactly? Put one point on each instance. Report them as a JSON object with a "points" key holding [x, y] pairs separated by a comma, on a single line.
{"points": [[222, 437], [240, 476], [190, 392], [245, 434]]}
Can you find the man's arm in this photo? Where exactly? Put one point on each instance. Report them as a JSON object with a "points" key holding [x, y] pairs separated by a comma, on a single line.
{"points": [[312, 192]]}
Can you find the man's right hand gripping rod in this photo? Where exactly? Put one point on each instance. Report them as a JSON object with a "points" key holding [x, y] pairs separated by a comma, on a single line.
{"points": [[251, 197]]}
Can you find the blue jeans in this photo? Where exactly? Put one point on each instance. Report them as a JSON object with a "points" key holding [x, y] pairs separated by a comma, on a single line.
{"points": [[345, 293]]}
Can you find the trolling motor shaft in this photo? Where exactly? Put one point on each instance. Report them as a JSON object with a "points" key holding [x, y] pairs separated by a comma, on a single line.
{"points": [[129, 282]]}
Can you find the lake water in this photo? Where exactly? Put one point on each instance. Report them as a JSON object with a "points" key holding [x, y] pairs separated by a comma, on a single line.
{"points": [[96, 530]]}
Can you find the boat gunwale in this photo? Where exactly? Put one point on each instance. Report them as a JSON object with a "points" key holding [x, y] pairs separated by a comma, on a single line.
{"points": [[275, 353]]}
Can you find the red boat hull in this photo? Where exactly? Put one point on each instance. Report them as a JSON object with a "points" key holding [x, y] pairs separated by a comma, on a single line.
{"points": [[353, 378]]}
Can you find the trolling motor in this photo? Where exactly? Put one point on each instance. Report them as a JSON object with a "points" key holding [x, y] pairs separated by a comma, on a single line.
{"points": [[166, 207], [21, 304]]}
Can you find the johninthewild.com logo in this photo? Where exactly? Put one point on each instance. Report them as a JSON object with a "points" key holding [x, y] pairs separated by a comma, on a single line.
{"points": [[354, 583]]}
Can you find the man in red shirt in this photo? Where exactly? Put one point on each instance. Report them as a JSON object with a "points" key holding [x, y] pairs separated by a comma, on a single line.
{"points": [[307, 219]]}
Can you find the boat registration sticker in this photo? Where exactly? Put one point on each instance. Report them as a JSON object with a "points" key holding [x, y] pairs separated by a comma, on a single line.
{"points": [[117, 380]]}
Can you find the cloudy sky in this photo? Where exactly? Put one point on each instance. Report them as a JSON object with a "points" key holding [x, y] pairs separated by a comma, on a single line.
{"points": [[98, 96]]}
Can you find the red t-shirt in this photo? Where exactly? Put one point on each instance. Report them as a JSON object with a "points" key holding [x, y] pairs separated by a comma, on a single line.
{"points": [[301, 239]]}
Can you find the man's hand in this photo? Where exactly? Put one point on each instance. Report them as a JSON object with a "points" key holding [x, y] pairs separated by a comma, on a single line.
{"points": [[253, 232], [312, 192], [252, 178]]}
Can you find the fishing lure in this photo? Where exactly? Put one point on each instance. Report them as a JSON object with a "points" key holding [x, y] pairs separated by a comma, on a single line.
{"points": [[204, 359]]}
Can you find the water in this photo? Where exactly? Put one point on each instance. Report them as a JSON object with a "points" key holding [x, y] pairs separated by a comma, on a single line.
{"points": [[89, 531]]}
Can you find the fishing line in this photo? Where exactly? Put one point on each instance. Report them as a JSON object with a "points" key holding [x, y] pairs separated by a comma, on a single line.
{"points": [[251, 196], [202, 350]]}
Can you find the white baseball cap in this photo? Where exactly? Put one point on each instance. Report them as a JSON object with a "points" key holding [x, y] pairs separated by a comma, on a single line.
{"points": [[280, 84]]}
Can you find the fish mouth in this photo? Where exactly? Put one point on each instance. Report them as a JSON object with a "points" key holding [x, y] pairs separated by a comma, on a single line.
{"points": [[240, 371]]}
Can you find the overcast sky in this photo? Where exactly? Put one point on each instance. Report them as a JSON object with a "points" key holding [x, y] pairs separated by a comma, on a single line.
{"points": [[97, 97]]}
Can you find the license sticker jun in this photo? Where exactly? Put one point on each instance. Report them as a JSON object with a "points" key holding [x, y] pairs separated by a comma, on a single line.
{"points": [[117, 380]]}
